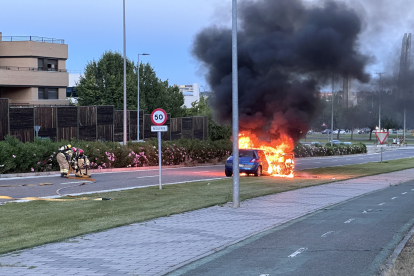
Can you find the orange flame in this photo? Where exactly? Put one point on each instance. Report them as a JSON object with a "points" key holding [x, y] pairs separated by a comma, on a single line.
{"points": [[278, 152]]}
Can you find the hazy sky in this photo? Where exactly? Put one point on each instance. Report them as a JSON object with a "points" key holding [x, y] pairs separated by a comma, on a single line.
{"points": [[166, 29], [163, 28]]}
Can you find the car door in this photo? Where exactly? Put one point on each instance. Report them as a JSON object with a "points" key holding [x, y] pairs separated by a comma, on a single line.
{"points": [[263, 161]]}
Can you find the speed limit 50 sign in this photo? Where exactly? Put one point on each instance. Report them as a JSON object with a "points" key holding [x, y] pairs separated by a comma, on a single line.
{"points": [[159, 117]]}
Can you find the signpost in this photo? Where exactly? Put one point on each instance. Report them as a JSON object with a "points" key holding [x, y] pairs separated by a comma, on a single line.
{"points": [[158, 118], [381, 136]]}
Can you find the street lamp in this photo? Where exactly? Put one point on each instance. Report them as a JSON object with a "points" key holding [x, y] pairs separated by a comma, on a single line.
{"points": [[125, 97], [333, 86], [379, 101], [235, 107], [138, 96]]}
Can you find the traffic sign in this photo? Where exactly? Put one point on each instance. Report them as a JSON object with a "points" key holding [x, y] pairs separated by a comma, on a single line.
{"points": [[159, 128], [381, 136], [159, 117]]}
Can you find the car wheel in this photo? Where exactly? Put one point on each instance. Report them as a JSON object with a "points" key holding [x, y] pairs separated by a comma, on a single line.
{"points": [[228, 173], [258, 171]]}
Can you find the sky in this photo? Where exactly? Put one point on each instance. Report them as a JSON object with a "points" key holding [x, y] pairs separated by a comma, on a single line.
{"points": [[165, 29]]}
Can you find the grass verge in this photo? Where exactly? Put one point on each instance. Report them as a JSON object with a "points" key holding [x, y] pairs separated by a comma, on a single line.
{"points": [[35, 223], [404, 264]]}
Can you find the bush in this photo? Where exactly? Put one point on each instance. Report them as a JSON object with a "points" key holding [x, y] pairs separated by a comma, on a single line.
{"points": [[39, 156], [328, 150]]}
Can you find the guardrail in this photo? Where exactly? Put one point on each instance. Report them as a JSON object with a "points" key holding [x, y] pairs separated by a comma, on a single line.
{"points": [[33, 38], [18, 68]]}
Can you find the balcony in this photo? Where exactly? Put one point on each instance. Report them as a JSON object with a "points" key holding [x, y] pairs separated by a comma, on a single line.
{"points": [[33, 38], [16, 68], [30, 77]]}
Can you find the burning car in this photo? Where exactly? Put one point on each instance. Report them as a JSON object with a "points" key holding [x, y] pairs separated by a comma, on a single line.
{"points": [[259, 157], [251, 161]]}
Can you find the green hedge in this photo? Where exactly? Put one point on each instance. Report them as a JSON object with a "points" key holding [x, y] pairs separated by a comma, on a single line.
{"points": [[328, 150], [39, 156]]}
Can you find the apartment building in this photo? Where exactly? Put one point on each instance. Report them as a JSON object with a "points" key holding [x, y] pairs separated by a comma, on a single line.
{"points": [[33, 70], [191, 93]]}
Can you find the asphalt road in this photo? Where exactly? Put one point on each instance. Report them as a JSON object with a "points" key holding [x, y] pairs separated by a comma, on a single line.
{"points": [[131, 179], [351, 238]]}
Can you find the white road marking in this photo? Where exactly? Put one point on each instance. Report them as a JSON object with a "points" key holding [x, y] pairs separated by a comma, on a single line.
{"points": [[25, 177], [147, 176], [264, 274], [77, 182], [369, 210], [382, 203], [297, 252], [326, 234], [404, 193], [349, 220], [394, 197]]}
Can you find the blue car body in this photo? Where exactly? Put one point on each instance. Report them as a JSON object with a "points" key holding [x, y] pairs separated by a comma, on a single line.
{"points": [[251, 161]]}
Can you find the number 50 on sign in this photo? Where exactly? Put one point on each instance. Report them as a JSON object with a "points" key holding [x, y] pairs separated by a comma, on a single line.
{"points": [[159, 117]]}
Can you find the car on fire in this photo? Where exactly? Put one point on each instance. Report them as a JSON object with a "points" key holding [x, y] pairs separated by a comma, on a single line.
{"points": [[251, 161]]}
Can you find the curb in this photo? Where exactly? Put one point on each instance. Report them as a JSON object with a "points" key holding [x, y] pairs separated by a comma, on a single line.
{"points": [[391, 259], [102, 170]]}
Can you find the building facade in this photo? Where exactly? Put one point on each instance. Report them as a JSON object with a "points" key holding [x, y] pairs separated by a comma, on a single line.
{"points": [[191, 93], [33, 70]]}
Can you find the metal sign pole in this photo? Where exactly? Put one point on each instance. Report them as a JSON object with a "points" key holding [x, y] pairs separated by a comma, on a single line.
{"points": [[381, 153], [159, 159]]}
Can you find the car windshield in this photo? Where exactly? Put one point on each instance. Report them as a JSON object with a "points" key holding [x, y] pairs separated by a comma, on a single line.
{"points": [[246, 153]]}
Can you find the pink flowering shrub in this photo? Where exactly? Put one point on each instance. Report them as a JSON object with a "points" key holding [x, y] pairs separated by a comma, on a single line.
{"points": [[309, 151]]}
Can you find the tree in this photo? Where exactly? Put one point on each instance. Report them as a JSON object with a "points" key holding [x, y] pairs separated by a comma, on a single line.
{"points": [[215, 131], [103, 84], [158, 94]]}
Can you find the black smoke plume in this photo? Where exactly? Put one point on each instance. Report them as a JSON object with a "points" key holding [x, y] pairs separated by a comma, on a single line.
{"points": [[286, 50]]}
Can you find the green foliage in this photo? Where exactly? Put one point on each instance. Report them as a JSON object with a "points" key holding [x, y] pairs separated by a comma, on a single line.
{"points": [[39, 156], [328, 150], [215, 131], [103, 84]]}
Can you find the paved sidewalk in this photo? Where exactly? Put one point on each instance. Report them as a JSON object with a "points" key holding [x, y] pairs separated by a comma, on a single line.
{"points": [[162, 245]]}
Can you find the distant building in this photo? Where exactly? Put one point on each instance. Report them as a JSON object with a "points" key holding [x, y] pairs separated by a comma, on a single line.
{"points": [[33, 70], [191, 93]]}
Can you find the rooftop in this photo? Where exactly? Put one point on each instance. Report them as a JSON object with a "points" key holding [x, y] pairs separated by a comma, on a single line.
{"points": [[33, 38]]}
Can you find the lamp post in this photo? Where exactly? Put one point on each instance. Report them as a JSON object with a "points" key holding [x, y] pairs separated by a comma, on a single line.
{"points": [[333, 86], [138, 96], [125, 97], [235, 107], [379, 102]]}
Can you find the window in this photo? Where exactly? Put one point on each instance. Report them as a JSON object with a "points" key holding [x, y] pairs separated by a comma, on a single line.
{"points": [[44, 64], [41, 93], [52, 93], [48, 93]]}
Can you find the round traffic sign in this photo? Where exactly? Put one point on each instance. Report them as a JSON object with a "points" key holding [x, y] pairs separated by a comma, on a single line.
{"points": [[159, 117]]}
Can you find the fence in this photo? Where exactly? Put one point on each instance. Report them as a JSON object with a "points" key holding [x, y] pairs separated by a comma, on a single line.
{"points": [[91, 123]]}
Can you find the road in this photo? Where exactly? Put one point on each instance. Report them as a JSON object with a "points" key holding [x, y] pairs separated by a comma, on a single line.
{"points": [[351, 238], [130, 179]]}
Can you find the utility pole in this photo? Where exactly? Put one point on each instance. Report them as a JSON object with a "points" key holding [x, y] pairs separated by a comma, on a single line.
{"points": [[379, 101], [235, 106], [125, 97], [333, 84]]}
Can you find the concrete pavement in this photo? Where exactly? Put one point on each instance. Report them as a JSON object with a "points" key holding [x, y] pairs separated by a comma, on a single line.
{"points": [[162, 245]]}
